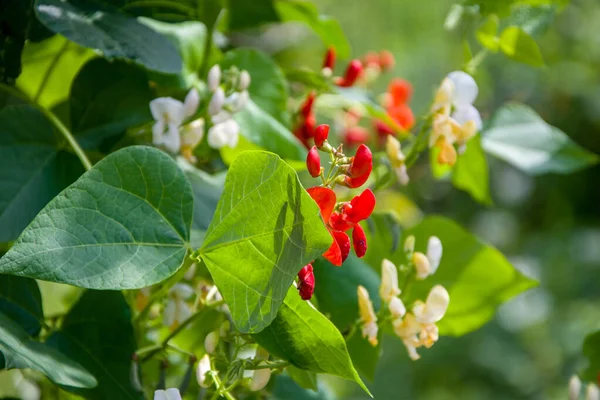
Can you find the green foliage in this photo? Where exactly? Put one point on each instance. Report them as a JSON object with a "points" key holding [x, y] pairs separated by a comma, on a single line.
{"points": [[487, 34], [304, 378], [21, 351], [14, 21], [33, 168], [123, 224], [471, 172], [97, 333], [266, 227], [519, 136], [308, 340], [248, 14], [520, 46], [477, 276], [591, 350], [21, 301], [117, 36]]}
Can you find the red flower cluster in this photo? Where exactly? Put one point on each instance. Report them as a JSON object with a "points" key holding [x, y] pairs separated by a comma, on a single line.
{"points": [[384, 60], [360, 168], [306, 282], [342, 217], [305, 129], [398, 95]]}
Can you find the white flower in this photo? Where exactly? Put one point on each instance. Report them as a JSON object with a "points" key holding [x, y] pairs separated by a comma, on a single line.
{"points": [[465, 88], [367, 316], [402, 175], [169, 394], [465, 114], [434, 307], [237, 101], [214, 78], [244, 82], [169, 114], [224, 134], [211, 341], [190, 103], [592, 392], [397, 158], [434, 253], [193, 133], [177, 310], [260, 378], [407, 329], [201, 371], [221, 116], [216, 102], [574, 387], [429, 335], [422, 265], [389, 290], [409, 244]]}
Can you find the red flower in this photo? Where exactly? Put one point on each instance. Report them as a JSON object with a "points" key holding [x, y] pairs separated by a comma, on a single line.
{"points": [[306, 282], [356, 135], [403, 115], [386, 60], [306, 107], [313, 162], [352, 73], [338, 222], [382, 129], [321, 134], [360, 169], [400, 91], [329, 60]]}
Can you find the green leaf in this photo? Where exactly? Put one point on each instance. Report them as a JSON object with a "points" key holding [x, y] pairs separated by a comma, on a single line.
{"points": [[364, 356], [245, 14], [336, 289], [383, 236], [260, 128], [97, 333], [487, 34], [305, 379], [32, 168], [286, 388], [49, 67], [534, 20], [19, 351], [20, 300], [124, 224], [517, 135], [114, 34], [309, 78], [477, 276], [591, 350], [15, 20], [106, 99], [189, 38], [307, 339], [471, 172], [520, 46], [265, 229], [268, 88], [327, 28]]}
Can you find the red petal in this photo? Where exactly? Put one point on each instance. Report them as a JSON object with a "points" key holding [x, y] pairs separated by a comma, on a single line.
{"points": [[359, 241], [403, 115], [400, 90], [306, 107], [325, 199], [382, 128], [329, 60], [321, 134], [338, 223], [313, 162], [334, 253], [356, 182], [362, 207], [343, 242], [356, 135], [352, 73], [306, 282], [362, 163]]}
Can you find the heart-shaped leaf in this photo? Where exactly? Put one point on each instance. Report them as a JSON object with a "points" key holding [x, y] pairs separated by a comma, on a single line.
{"points": [[265, 229], [124, 224]]}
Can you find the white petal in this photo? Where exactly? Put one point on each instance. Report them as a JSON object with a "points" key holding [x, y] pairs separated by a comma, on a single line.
{"points": [[217, 136], [260, 378], [216, 102], [158, 129], [389, 281], [202, 369], [434, 253], [169, 313], [465, 88], [466, 113], [397, 307], [160, 395], [435, 305], [574, 387], [183, 311], [172, 140], [173, 394], [191, 102], [167, 109], [214, 78], [402, 175], [181, 291], [220, 117], [365, 307], [241, 101], [412, 352], [193, 133], [232, 130], [244, 82], [422, 267], [211, 341], [592, 392]]}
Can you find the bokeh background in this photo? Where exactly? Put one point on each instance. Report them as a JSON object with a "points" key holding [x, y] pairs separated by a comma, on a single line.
{"points": [[549, 226]]}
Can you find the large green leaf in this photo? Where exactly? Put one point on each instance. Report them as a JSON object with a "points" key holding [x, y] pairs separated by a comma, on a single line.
{"points": [[306, 338], [477, 276], [32, 168], [20, 300], [260, 128], [265, 229], [327, 28], [591, 350], [519, 136], [49, 67], [268, 89], [471, 172], [487, 33], [97, 333], [245, 14], [124, 224], [520, 46], [116, 35], [106, 99], [19, 351]]}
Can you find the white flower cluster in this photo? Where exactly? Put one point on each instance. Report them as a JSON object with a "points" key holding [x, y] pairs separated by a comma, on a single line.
{"points": [[591, 392], [417, 328]]}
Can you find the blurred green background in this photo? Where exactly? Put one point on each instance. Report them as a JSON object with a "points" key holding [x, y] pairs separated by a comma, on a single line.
{"points": [[549, 227]]}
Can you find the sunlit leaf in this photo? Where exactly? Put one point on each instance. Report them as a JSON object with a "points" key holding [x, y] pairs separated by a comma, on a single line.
{"points": [[471, 172], [487, 34], [520, 46]]}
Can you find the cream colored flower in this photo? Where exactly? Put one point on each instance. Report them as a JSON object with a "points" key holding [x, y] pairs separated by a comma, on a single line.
{"points": [[201, 371], [434, 253], [422, 266], [367, 316], [409, 244], [435, 306], [260, 378], [592, 392], [169, 394], [211, 341], [389, 290], [397, 158], [177, 310], [574, 387]]}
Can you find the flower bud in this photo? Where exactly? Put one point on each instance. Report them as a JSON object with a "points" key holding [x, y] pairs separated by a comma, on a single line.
{"points": [[192, 133], [260, 378], [211, 342], [402, 175], [389, 281], [422, 267], [313, 162], [169, 394], [362, 163], [201, 371], [329, 60], [386, 60], [574, 387], [434, 253], [359, 241], [367, 316], [191, 102], [352, 73], [306, 107], [321, 134], [244, 80], [306, 282], [214, 78], [216, 102], [592, 392], [409, 244]]}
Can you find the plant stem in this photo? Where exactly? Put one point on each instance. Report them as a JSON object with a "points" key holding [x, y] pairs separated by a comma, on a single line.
{"points": [[420, 140], [270, 365], [474, 63], [49, 71]]}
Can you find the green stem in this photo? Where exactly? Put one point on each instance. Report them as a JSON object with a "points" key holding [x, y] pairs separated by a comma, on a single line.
{"points": [[161, 3], [49, 71], [57, 124], [270, 365], [474, 63], [221, 390], [420, 143], [207, 50]]}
